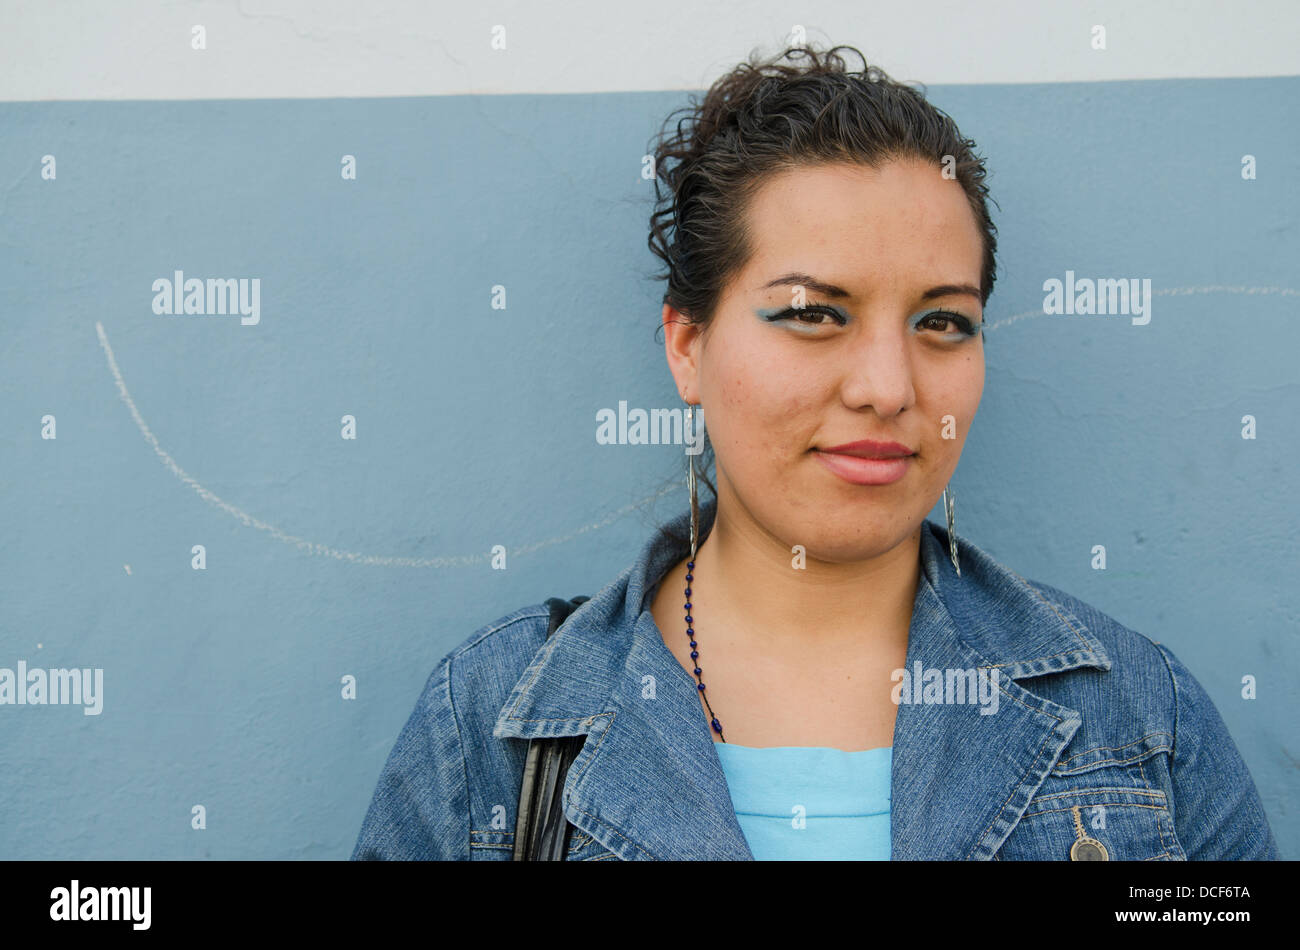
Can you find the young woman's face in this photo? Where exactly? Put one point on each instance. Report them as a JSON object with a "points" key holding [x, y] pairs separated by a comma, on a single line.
{"points": [[880, 254]]}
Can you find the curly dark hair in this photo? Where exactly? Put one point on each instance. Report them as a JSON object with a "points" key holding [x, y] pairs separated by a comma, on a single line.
{"points": [[769, 115]]}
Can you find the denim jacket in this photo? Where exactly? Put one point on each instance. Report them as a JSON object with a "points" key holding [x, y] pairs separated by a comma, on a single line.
{"points": [[1097, 733]]}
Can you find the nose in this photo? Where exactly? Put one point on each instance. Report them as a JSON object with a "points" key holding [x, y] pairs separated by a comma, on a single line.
{"points": [[877, 369]]}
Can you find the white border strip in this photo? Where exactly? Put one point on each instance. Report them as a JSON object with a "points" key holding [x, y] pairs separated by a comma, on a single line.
{"points": [[259, 49]]}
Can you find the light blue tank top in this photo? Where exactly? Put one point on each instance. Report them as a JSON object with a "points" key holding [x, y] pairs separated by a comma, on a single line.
{"points": [[810, 803]]}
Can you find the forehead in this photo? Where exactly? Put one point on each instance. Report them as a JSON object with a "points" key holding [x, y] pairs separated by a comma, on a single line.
{"points": [[900, 225]]}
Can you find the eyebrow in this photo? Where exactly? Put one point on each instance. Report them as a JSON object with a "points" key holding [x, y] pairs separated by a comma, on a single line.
{"points": [[830, 290]]}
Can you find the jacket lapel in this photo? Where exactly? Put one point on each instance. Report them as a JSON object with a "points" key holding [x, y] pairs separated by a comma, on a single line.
{"points": [[648, 783], [962, 780]]}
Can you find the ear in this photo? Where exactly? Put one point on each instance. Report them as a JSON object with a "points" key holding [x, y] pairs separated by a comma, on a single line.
{"points": [[682, 341]]}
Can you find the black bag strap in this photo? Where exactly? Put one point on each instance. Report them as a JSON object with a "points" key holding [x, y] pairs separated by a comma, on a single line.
{"points": [[540, 826]]}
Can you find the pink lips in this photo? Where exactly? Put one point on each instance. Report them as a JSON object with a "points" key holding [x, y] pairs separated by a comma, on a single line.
{"points": [[867, 462]]}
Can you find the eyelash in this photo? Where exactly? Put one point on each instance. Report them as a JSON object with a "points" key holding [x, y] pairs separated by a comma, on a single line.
{"points": [[964, 326]]}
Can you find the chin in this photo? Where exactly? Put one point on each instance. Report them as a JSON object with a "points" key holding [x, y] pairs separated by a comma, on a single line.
{"points": [[842, 539], [852, 552]]}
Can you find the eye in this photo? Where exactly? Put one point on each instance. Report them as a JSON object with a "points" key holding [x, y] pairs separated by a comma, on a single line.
{"points": [[803, 315], [939, 319]]}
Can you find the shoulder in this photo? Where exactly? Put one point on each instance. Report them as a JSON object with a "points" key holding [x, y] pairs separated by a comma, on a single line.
{"points": [[1146, 668], [463, 695], [1147, 722], [444, 786], [518, 630], [1124, 690], [1131, 653], [1145, 684], [480, 671]]}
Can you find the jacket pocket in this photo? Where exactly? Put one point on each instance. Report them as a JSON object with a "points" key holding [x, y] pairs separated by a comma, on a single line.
{"points": [[1100, 803], [491, 845], [583, 847], [500, 846]]}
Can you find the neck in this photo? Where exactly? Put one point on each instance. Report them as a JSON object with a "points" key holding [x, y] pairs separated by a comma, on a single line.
{"points": [[746, 574]]}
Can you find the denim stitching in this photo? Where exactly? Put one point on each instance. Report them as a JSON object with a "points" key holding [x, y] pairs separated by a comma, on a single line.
{"points": [[1173, 681], [549, 648], [616, 831], [1051, 656], [460, 745], [1040, 596], [591, 721], [488, 633], [1173, 751], [1098, 791], [1107, 748], [1038, 756], [1159, 824], [985, 832], [1135, 758], [1048, 811], [1086, 648], [1177, 852]]}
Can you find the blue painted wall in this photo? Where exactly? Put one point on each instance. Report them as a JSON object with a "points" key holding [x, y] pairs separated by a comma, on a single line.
{"points": [[476, 426]]}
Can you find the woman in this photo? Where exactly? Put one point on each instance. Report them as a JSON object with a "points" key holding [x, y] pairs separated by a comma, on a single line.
{"points": [[805, 666]]}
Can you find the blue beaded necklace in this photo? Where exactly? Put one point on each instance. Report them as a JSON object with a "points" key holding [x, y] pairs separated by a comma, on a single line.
{"points": [[690, 575], [695, 653]]}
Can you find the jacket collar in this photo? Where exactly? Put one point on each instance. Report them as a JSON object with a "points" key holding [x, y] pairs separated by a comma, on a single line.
{"points": [[648, 783]]}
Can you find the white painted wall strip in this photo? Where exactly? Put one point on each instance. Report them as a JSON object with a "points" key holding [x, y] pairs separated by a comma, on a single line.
{"points": [[258, 49]]}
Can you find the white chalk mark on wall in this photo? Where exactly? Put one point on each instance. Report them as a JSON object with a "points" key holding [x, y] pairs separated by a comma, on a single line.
{"points": [[322, 549]]}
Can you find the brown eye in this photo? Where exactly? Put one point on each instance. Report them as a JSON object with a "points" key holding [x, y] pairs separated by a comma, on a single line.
{"points": [[939, 320], [811, 316]]}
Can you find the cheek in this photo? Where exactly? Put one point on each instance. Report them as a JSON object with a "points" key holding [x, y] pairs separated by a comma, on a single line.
{"points": [[760, 405], [757, 386], [953, 388], [965, 387], [973, 383]]}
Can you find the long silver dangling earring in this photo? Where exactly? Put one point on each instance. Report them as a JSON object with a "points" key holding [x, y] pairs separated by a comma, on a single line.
{"points": [[690, 481], [950, 510]]}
